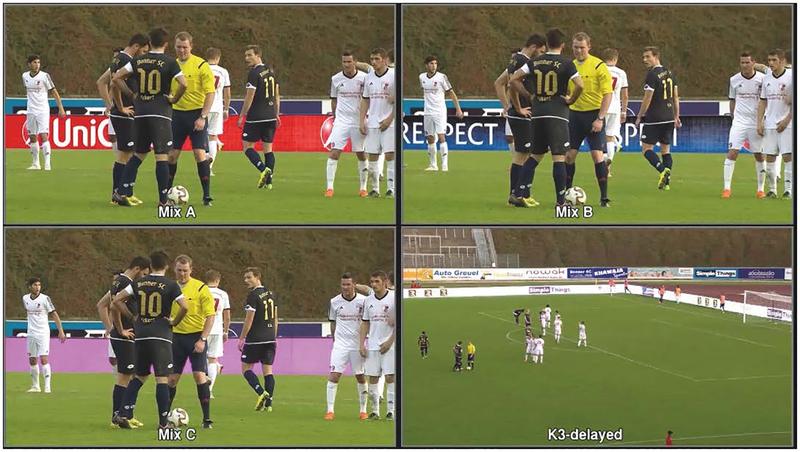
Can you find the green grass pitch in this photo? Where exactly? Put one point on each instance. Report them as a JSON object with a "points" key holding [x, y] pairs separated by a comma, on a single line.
{"points": [[475, 191], [649, 368], [78, 190], [78, 413]]}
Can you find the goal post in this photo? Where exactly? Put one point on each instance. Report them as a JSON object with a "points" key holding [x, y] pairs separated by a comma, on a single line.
{"points": [[778, 307]]}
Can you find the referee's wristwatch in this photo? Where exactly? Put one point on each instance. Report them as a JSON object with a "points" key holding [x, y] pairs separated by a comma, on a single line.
{"points": [[204, 116], [204, 339]]}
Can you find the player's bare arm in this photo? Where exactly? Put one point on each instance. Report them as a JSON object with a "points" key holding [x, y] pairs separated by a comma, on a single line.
{"points": [[119, 86], [646, 99], [207, 325], [61, 112], [518, 89], [181, 312], [363, 289], [61, 336], [389, 342], [333, 330], [275, 316], [731, 107], [226, 323], [362, 337], [500, 86], [362, 114], [248, 323], [119, 303], [116, 319], [784, 122], [226, 101], [200, 122], [677, 103], [248, 102], [104, 309], [762, 108], [623, 96], [363, 67], [454, 98], [173, 99], [103, 84], [277, 105]]}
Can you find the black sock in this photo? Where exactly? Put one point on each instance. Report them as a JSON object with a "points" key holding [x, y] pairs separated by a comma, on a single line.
{"points": [[172, 391], [129, 176], [204, 171], [204, 395], [515, 171], [269, 384], [129, 399], [269, 160], [116, 175], [528, 171], [570, 174], [253, 381], [252, 155], [654, 160], [560, 180], [601, 171], [162, 178], [173, 170], [667, 158], [119, 394], [163, 402]]}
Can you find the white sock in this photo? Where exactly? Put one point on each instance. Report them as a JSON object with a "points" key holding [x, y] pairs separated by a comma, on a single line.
{"points": [[611, 148], [212, 150], [787, 177], [443, 152], [381, 385], [363, 172], [35, 376], [46, 152], [213, 368], [777, 167], [374, 177], [432, 155], [381, 161], [362, 397], [34, 152], [390, 398], [332, 164], [761, 174], [374, 398], [47, 374], [772, 177], [390, 174], [727, 172], [332, 387]]}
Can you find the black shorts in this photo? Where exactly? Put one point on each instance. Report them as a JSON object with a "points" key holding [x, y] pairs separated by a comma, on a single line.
{"points": [[580, 128], [153, 130], [658, 133], [183, 349], [470, 357], [255, 131], [423, 348], [125, 350], [552, 135], [522, 129], [124, 130], [183, 127], [264, 353], [156, 353]]}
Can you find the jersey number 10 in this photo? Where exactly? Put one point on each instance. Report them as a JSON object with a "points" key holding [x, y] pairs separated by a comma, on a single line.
{"points": [[150, 82], [149, 306], [550, 81]]}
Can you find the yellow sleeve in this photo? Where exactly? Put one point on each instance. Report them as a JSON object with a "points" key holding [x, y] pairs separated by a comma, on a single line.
{"points": [[605, 79], [208, 78], [206, 302]]}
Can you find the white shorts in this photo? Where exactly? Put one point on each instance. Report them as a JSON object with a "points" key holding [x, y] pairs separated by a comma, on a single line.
{"points": [[215, 123], [379, 364], [777, 143], [435, 125], [38, 346], [613, 125], [738, 135], [544, 323], [340, 358], [378, 142], [557, 331], [215, 346], [547, 317], [538, 352], [581, 337], [529, 350], [111, 353], [341, 133], [38, 123]]}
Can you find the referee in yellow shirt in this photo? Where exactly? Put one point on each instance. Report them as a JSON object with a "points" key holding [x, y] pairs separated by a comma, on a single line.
{"points": [[189, 338], [190, 113], [587, 114], [470, 355]]}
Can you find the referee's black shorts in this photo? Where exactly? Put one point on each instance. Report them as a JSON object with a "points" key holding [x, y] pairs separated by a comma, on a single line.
{"points": [[552, 134], [580, 128], [183, 127], [183, 349]]}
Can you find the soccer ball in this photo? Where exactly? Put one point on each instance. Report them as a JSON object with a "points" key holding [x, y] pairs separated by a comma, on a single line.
{"points": [[575, 196], [178, 417], [178, 194]]}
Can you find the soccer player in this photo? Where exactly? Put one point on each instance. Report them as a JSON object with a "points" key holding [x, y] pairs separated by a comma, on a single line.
{"points": [[557, 329], [379, 324], [744, 90], [538, 350], [190, 337], [121, 129], [517, 110], [618, 110], [148, 302], [722, 302], [422, 341], [611, 285], [346, 88], [587, 115], [260, 114], [258, 341], [219, 109], [547, 312], [582, 334], [435, 85], [527, 318], [219, 332], [528, 332], [122, 347], [39, 306], [661, 291], [678, 294], [458, 352], [529, 347], [517, 313], [376, 120], [775, 121], [543, 321], [470, 355], [39, 86], [152, 75], [660, 114], [344, 314], [627, 289], [551, 74], [501, 87]]}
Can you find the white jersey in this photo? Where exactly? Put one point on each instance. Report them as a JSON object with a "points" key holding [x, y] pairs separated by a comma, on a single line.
{"points": [[379, 89], [547, 312], [381, 316], [619, 80], [529, 344], [434, 88], [347, 315], [557, 325], [38, 88], [221, 302], [542, 317], [347, 92], [38, 308], [746, 92], [778, 93], [222, 80], [538, 345], [581, 330]]}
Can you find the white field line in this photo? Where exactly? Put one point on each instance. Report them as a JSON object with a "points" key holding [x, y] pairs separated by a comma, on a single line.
{"points": [[719, 316], [736, 338], [732, 435]]}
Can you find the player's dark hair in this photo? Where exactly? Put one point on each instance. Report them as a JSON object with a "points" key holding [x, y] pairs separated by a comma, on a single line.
{"points": [[746, 53], [535, 40], [118, 49], [348, 53], [652, 49], [159, 260], [555, 38], [32, 58], [213, 276], [139, 38], [582, 36], [430, 58], [158, 38], [33, 280], [380, 274], [610, 54], [254, 270], [256, 49], [139, 261], [183, 36], [347, 275], [183, 259], [780, 53], [516, 50], [213, 53], [378, 51]]}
